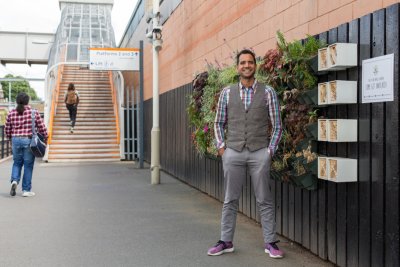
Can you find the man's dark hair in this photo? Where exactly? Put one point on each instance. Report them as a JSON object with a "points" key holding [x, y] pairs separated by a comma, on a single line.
{"points": [[245, 51], [22, 101]]}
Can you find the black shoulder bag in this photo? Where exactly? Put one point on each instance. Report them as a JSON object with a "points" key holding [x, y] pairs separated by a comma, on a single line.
{"points": [[38, 146]]}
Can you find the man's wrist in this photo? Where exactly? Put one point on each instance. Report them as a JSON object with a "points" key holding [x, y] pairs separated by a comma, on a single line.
{"points": [[219, 146], [271, 151]]}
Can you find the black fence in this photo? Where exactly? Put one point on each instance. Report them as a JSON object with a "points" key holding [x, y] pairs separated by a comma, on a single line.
{"points": [[349, 224], [5, 145]]}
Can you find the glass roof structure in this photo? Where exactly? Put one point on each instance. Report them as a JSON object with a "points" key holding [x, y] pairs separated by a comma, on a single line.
{"points": [[82, 25]]}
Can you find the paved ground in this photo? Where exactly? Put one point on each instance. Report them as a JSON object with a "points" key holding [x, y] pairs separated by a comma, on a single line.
{"points": [[110, 215]]}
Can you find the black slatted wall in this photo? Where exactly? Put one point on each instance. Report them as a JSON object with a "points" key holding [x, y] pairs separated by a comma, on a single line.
{"points": [[349, 224]]}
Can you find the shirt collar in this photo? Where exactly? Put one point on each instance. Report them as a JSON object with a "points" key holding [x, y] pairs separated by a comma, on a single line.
{"points": [[241, 86]]}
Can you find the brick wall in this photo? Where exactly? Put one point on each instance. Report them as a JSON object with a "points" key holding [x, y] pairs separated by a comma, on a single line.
{"points": [[211, 30]]}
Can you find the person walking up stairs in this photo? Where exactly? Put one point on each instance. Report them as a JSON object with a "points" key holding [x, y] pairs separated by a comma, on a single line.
{"points": [[96, 137], [71, 100]]}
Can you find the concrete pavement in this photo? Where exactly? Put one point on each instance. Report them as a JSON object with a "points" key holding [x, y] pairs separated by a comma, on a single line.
{"points": [[109, 215]]}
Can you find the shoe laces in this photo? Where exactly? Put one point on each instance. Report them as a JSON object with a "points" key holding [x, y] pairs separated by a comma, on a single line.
{"points": [[273, 244], [221, 242]]}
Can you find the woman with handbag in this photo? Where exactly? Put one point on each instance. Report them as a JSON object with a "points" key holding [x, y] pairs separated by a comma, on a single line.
{"points": [[18, 128]]}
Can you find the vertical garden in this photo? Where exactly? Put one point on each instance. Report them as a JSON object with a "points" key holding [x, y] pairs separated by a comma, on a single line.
{"points": [[290, 69]]}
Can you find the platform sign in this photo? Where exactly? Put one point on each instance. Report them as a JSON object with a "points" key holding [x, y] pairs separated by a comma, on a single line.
{"points": [[114, 59]]}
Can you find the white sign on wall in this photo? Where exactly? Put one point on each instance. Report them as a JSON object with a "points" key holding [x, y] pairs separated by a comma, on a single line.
{"points": [[377, 79], [114, 58]]}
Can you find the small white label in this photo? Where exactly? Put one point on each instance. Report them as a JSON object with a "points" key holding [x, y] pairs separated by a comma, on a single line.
{"points": [[377, 79]]}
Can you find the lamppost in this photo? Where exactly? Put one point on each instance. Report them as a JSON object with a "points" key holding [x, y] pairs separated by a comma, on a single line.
{"points": [[156, 37]]}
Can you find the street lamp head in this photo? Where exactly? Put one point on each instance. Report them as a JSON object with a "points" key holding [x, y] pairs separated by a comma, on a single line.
{"points": [[155, 33], [158, 35]]}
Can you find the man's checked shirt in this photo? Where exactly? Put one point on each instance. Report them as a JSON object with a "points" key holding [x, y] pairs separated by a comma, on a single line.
{"points": [[21, 125], [246, 94]]}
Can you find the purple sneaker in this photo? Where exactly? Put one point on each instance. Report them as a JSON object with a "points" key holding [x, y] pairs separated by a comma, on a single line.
{"points": [[273, 250], [220, 248]]}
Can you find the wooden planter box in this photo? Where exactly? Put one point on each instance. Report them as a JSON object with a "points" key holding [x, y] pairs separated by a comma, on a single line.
{"points": [[342, 92], [342, 130], [322, 130], [322, 168], [323, 59], [338, 56], [337, 130], [337, 92], [337, 170], [323, 94]]}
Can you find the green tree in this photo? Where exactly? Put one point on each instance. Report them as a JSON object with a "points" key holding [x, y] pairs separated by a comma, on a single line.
{"points": [[17, 87]]}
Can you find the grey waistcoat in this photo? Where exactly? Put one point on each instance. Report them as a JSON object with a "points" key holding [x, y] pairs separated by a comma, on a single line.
{"points": [[247, 128]]}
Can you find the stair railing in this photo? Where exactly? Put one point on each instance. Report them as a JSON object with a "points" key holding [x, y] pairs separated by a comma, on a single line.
{"points": [[52, 92], [114, 94], [117, 89], [54, 100]]}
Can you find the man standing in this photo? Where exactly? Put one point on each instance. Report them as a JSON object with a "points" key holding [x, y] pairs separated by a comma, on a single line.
{"points": [[243, 111]]}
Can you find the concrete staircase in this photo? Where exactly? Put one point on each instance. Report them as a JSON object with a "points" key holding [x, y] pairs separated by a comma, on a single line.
{"points": [[95, 132]]}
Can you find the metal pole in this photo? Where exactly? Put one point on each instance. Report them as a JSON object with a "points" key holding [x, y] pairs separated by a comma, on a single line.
{"points": [[141, 107], [9, 96], [155, 132], [136, 132], [134, 123], [128, 124]]}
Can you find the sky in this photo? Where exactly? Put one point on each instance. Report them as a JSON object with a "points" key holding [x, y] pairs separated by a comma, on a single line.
{"points": [[44, 16]]}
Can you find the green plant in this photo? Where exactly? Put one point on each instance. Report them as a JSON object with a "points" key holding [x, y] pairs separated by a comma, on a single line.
{"points": [[203, 103], [313, 116], [288, 65], [286, 68]]}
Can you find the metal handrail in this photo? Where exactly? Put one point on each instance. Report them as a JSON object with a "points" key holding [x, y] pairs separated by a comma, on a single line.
{"points": [[54, 101], [115, 104]]}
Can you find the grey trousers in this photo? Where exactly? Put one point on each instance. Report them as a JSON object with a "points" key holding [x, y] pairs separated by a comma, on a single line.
{"points": [[235, 165]]}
